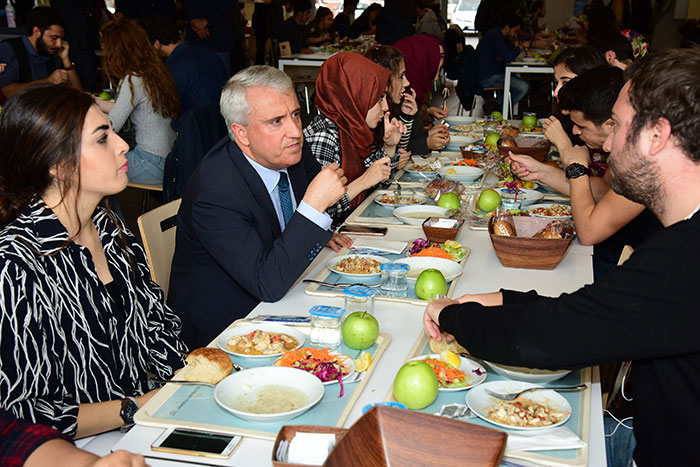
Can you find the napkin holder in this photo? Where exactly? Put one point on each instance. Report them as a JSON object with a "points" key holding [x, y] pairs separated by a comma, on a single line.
{"points": [[289, 431], [389, 436]]}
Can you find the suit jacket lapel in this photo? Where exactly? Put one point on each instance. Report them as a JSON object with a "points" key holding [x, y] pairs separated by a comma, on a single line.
{"points": [[257, 187]]}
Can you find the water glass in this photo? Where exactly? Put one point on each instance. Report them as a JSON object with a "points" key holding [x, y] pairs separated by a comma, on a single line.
{"points": [[394, 280]]}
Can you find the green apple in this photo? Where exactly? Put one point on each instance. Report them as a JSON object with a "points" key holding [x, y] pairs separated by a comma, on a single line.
{"points": [[360, 330], [105, 95], [430, 283], [538, 56], [416, 385], [449, 201], [530, 120], [492, 139], [489, 200], [497, 115]]}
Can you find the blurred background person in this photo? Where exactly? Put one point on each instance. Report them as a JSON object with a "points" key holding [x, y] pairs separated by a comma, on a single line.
{"points": [[147, 96]]}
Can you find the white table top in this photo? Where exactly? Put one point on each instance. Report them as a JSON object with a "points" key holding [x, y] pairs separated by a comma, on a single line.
{"points": [[483, 273]]}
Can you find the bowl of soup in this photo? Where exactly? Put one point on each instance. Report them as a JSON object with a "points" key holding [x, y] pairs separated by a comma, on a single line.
{"points": [[269, 393]]}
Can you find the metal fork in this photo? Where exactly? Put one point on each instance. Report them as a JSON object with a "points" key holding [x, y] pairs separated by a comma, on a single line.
{"points": [[514, 395], [338, 286], [177, 381]]}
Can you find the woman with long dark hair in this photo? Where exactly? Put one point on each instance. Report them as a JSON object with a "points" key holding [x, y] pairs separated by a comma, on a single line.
{"points": [[402, 100], [320, 30], [147, 95], [81, 322]]}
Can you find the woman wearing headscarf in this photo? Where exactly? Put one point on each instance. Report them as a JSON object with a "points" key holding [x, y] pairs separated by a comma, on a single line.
{"points": [[424, 56], [351, 99]]}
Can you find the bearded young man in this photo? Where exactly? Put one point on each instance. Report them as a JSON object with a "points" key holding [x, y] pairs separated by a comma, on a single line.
{"points": [[644, 311], [41, 56]]}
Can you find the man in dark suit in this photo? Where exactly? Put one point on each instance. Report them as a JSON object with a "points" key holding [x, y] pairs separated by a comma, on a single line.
{"points": [[252, 217]]}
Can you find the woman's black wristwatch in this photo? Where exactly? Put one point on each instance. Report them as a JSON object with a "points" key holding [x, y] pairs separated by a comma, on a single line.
{"points": [[576, 170], [129, 409]]}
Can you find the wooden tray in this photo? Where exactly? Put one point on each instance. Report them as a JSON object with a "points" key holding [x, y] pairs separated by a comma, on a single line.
{"points": [[327, 275], [194, 407], [579, 422]]}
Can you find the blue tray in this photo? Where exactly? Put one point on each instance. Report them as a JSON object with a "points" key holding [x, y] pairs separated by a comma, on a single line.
{"points": [[194, 406]]}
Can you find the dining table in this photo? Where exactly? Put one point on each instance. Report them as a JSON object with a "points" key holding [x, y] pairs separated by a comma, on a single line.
{"points": [[403, 322]]}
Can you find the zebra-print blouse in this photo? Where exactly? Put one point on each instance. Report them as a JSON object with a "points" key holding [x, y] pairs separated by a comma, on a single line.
{"points": [[63, 342]]}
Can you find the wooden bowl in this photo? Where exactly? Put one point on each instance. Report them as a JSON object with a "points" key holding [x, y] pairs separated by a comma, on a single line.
{"points": [[538, 153], [387, 436], [440, 234], [289, 431], [526, 252]]}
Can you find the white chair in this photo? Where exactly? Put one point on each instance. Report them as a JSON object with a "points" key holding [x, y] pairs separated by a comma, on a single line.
{"points": [[157, 229]]}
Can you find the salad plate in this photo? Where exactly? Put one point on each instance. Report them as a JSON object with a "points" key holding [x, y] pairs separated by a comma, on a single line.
{"points": [[482, 403], [313, 362], [474, 373]]}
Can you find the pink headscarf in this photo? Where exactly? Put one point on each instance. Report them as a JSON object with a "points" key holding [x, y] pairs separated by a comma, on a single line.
{"points": [[422, 57]]}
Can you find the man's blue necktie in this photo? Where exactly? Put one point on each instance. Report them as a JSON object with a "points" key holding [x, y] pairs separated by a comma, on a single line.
{"points": [[285, 198]]}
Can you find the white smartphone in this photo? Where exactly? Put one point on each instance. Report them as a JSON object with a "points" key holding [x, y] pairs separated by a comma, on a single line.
{"points": [[196, 443]]}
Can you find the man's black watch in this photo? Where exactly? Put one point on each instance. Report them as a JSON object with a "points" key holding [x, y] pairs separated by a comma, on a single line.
{"points": [[129, 409], [575, 170]]}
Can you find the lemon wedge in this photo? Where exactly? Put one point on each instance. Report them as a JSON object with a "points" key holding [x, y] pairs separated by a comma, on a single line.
{"points": [[363, 362], [451, 172], [448, 356]]}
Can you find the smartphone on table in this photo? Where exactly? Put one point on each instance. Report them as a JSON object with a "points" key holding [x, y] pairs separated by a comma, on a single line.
{"points": [[362, 230], [196, 443]]}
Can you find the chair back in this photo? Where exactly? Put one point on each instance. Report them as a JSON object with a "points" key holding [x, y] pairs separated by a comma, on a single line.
{"points": [[625, 254], [157, 229], [198, 131]]}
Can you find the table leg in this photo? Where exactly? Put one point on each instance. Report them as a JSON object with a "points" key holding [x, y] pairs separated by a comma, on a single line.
{"points": [[506, 94]]}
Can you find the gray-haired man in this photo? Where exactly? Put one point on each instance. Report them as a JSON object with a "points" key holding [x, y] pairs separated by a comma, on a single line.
{"points": [[252, 216]]}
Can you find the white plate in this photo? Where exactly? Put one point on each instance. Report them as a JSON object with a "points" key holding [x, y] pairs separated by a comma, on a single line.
{"points": [[348, 367], [450, 269], [226, 336], [418, 213], [251, 380], [461, 139], [527, 197], [471, 369], [333, 261], [421, 199], [547, 205], [481, 403], [421, 173], [459, 120], [462, 173], [531, 375]]}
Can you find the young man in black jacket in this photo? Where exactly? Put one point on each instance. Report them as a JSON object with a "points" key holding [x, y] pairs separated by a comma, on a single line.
{"points": [[644, 311]]}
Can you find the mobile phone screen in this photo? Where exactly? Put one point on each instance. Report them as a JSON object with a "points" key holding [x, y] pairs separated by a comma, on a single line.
{"points": [[213, 443], [362, 230]]}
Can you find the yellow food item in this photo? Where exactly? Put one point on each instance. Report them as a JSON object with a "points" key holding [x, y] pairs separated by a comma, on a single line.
{"points": [[451, 172], [448, 356], [363, 362]]}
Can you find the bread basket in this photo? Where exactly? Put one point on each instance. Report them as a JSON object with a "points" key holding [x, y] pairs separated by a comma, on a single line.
{"points": [[536, 152], [525, 252]]}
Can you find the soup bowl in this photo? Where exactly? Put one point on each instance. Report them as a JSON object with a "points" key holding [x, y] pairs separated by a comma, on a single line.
{"points": [[244, 387]]}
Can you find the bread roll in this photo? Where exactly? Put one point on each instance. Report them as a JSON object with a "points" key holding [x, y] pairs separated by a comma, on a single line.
{"points": [[439, 346], [208, 365], [503, 228]]}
